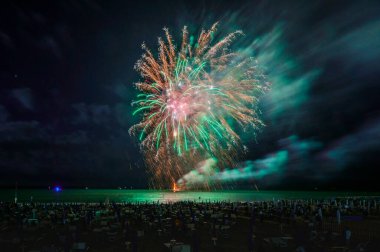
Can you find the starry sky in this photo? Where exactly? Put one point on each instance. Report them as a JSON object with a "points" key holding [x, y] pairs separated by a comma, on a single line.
{"points": [[67, 74]]}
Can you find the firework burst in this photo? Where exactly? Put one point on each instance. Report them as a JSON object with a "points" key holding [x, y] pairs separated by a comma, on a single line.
{"points": [[191, 100]]}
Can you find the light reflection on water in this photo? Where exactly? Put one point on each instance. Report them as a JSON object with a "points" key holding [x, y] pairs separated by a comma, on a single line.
{"points": [[110, 195]]}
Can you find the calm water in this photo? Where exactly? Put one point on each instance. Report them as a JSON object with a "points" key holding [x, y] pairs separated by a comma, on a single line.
{"points": [[101, 195]]}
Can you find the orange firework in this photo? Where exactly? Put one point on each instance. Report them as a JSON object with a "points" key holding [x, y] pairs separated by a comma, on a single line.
{"points": [[192, 99]]}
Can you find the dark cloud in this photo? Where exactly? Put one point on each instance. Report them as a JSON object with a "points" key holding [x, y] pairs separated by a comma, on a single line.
{"points": [[24, 96], [350, 147], [21, 131], [96, 114], [51, 45], [3, 114], [6, 40], [74, 138], [66, 75]]}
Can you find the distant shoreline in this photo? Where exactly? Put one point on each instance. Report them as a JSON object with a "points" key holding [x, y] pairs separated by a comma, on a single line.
{"points": [[123, 195]]}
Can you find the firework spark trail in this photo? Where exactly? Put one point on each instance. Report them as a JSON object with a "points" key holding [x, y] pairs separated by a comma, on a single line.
{"points": [[190, 101]]}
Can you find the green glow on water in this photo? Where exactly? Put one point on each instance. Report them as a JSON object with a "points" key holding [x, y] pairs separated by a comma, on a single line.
{"points": [[102, 195]]}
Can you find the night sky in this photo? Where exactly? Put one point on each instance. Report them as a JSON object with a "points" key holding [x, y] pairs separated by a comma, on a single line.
{"points": [[67, 74]]}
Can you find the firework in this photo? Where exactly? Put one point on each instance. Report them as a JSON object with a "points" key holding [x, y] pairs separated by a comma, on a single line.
{"points": [[191, 101]]}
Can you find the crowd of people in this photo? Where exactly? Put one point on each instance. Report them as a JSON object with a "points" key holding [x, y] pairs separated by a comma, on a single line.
{"points": [[349, 224]]}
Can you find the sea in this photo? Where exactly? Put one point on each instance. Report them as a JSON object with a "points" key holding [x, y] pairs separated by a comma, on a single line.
{"points": [[142, 196]]}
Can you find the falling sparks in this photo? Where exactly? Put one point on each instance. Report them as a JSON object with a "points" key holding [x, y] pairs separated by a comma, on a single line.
{"points": [[191, 101]]}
